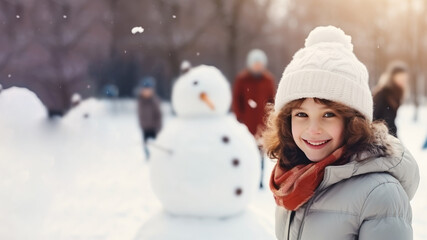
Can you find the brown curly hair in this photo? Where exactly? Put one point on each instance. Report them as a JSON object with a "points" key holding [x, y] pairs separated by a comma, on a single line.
{"points": [[279, 144]]}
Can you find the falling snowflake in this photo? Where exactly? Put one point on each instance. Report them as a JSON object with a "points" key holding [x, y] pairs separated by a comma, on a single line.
{"points": [[76, 98], [65, 16], [173, 16], [198, 54], [136, 30], [252, 103], [88, 86], [17, 16], [9, 76], [125, 51]]}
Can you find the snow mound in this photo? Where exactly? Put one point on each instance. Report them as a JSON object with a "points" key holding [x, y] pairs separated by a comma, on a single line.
{"points": [[167, 227], [85, 110], [20, 105]]}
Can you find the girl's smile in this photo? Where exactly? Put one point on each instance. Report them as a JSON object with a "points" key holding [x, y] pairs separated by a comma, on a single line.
{"points": [[316, 144], [316, 129]]}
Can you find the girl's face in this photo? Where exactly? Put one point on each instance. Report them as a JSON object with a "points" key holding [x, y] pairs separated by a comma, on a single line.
{"points": [[317, 130]]}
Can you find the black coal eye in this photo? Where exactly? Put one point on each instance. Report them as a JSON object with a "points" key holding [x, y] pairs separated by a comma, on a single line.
{"points": [[195, 83]]}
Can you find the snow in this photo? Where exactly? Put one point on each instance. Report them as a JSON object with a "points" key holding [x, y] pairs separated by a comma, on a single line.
{"points": [[252, 103], [247, 225], [86, 178], [185, 65], [75, 98], [413, 134], [136, 30], [21, 103]]}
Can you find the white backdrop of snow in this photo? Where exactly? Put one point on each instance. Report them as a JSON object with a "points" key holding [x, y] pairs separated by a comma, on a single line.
{"points": [[60, 181]]}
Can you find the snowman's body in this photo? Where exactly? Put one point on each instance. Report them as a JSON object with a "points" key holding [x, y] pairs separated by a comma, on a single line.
{"points": [[207, 164]]}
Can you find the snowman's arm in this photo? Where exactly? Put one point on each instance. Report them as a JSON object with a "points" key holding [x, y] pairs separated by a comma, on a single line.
{"points": [[161, 148]]}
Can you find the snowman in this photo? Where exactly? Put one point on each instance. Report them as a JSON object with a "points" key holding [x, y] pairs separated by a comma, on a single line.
{"points": [[204, 163]]}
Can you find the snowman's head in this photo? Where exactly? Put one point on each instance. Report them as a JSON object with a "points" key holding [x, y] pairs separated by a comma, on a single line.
{"points": [[203, 91]]}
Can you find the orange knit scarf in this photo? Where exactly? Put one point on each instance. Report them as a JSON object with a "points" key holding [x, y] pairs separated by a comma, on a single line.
{"points": [[294, 187]]}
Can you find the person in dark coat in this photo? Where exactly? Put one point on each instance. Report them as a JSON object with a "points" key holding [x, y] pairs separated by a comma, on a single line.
{"points": [[149, 113], [390, 93], [253, 88]]}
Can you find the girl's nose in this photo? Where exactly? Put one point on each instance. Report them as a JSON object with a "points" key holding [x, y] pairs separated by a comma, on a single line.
{"points": [[314, 128]]}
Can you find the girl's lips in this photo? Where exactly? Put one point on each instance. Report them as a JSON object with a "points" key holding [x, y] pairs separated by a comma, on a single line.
{"points": [[316, 144]]}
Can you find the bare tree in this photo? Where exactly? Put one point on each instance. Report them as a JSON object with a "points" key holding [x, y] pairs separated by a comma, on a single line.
{"points": [[60, 34], [14, 41], [241, 27]]}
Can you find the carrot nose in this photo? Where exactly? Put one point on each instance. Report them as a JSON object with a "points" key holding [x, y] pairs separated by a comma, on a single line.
{"points": [[204, 97]]}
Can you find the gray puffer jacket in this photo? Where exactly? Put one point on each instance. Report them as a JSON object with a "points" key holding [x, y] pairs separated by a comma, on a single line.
{"points": [[364, 200]]}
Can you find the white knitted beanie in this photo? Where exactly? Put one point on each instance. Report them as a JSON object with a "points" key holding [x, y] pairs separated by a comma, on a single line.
{"points": [[328, 69], [256, 55]]}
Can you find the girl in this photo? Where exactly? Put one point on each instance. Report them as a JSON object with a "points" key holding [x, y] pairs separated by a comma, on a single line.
{"points": [[389, 94], [338, 175]]}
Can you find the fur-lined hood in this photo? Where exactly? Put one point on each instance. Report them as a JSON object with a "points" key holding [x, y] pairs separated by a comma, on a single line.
{"points": [[386, 155]]}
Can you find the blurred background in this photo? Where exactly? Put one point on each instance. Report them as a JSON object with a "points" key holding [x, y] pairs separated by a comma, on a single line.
{"points": [[57, 48], [84, 174]]}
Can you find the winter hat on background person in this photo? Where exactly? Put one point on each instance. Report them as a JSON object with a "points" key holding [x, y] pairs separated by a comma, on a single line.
{"points": [[254, 56], [326, 68], [147, 82]]}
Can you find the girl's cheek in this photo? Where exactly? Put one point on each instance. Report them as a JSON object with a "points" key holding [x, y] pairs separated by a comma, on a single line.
{"points": [[339, 129], [295, 129]]}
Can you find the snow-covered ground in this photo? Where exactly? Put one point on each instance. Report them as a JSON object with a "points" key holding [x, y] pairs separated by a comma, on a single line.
{"points": [[85, 176]]}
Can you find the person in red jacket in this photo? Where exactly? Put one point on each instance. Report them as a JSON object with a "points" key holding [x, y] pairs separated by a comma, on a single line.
{"points": [[253, 88]]}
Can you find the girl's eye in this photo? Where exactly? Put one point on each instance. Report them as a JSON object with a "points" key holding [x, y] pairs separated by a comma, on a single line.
{"points": [[301, 114], [329, 115]]}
